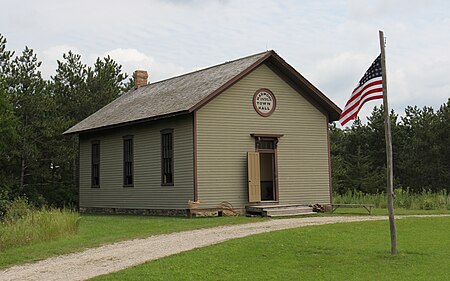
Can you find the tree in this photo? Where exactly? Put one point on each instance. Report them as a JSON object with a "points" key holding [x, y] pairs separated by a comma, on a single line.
{"points": [[32, 107], [70, 90], [337, 151], [420, 154], [377, 143], [7, 118], [363, 174], [36, 160], [359, 158], [79, 91], [8, 125], [443, 140], [420, 146], [105, 83]]}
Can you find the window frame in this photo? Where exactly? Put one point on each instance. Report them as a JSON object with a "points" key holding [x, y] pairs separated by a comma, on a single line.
{"points": [[130, 150], [93, 164], [170, 156]]}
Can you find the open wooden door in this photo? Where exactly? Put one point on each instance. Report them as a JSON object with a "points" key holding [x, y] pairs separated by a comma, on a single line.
{"points": [[254, 178]]}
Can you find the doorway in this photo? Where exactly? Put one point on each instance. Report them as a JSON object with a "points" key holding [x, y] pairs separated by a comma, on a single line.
{"points": [[263, 169], [267, 175]]}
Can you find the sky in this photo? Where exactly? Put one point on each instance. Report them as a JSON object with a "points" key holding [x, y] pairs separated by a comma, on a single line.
{"points": [[331, 43]]}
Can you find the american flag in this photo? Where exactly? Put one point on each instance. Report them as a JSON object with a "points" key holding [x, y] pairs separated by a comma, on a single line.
{"points": [[370, 87]]}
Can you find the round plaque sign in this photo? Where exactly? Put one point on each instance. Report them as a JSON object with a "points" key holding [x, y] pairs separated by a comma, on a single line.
{"points": [[264, 102]]}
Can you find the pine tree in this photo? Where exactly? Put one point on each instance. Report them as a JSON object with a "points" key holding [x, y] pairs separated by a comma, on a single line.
{"points": [[79, 91], [32, 107], [443, 140], [105, 82], [8, 125]]}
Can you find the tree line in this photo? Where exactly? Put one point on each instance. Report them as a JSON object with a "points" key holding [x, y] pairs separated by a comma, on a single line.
{"points": [[421, 151], [36, 160]]}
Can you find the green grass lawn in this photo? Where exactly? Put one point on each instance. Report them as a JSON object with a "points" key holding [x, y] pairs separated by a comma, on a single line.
{"points": [[96, 230], [349, 251]]}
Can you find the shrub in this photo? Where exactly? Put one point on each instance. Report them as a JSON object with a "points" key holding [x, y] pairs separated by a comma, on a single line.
{"points": [[17, 209]]}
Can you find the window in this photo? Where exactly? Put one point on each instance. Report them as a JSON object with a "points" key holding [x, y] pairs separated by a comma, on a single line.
{"points": [[266, 144], [95, 164], [128, 161], [167, 157]]}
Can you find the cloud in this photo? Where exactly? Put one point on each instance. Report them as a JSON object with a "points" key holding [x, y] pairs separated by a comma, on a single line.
{"points": [[330, 42], [51, 55], [340, 73], [132, 59]]}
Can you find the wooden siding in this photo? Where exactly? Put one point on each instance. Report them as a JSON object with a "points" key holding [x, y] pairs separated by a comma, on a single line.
{"points": [[223, 139], [147, 192]]}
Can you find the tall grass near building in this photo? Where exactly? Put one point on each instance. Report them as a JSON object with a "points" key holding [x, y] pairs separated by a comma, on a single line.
{"points": [[426, 200], [23, 225]]}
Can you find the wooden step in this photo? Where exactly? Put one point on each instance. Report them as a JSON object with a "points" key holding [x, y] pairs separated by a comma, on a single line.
{"points": [[287, 211], [260, 208], [299, 209], [280, 210], [293, 215]]}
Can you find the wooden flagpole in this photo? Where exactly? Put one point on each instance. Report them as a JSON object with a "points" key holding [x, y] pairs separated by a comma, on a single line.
{"points": [[387, 133]]}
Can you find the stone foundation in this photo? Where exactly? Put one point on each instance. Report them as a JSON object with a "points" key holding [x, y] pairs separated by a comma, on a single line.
{"points": [[146, 212], [155, 212]]}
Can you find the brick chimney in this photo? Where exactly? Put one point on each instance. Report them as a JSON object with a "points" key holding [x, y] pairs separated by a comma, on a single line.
{"points": [[140, 78]]}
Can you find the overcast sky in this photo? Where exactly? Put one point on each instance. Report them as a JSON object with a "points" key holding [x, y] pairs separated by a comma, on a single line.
{"points": [[331, 43]]}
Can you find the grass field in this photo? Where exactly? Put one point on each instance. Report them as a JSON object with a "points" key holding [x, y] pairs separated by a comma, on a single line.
{"points": [[350, 251], [94, 230]]}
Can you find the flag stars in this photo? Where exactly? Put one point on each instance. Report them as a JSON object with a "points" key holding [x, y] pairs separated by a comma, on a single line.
{"points": [[364, 92], [373, 71]]}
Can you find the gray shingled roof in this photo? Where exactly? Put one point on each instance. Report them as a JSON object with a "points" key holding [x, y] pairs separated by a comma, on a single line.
{"points": [[166, 97], [188, 92]]}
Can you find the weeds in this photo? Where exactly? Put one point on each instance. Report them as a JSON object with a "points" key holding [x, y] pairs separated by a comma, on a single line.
{"points": [[22, 224], [426, 200]]}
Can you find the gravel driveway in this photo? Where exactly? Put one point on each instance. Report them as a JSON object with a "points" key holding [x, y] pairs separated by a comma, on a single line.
{"points": [[117, 256]]}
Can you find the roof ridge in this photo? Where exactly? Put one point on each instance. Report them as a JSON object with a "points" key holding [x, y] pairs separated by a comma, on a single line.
{"points": [[188, 92], [206, 68]]}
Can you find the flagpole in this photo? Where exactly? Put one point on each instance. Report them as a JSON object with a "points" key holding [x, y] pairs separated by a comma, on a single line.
{"points": [[387, 133]]}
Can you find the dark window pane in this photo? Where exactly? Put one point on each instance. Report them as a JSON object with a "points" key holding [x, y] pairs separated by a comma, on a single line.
{"points": [[167, 158], [266, 144], [95, 164], [128, 161]]}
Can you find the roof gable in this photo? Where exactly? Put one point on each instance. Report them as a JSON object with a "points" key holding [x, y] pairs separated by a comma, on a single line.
{"points": [[189, 92]]}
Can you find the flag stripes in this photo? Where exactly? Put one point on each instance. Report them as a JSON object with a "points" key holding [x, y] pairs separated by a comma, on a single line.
{"points": [[370, 87], [361, 95]]}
